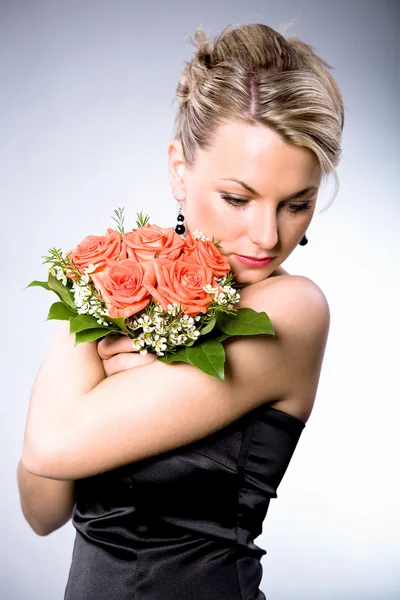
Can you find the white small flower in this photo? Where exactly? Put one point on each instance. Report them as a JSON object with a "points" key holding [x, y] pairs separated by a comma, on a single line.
{"points": [[89, 269], [199, 235], [173, 309], [210, 289]]}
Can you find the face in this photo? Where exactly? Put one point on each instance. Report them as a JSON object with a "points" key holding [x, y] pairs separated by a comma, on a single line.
{"points": [[264, 216]]}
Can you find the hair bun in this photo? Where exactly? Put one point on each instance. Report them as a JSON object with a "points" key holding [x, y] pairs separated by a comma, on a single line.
{"points": [[204, 48], [197, 69]]}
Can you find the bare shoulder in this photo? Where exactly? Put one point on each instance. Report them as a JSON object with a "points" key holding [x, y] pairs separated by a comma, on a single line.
{"points": [[291, 296], [300, 315]]}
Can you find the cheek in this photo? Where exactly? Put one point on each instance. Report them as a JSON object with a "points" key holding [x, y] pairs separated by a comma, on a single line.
{"points": [[202, 213], [213, 217]]}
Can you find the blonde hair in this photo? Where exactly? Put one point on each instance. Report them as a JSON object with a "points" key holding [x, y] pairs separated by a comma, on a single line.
{"points": [[255, 74]]}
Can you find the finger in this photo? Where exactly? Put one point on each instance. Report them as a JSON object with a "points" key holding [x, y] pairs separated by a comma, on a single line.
{"points": [[126, 360], [114, 344]]}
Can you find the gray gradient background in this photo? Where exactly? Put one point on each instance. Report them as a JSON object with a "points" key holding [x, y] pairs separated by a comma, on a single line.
{"points": [[86, 114]]}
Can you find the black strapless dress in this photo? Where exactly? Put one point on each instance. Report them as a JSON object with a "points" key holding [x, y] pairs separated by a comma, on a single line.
{"points": [[181, 525]]}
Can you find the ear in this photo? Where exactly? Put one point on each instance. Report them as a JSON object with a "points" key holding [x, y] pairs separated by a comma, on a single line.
{"points": [[176, 169]]}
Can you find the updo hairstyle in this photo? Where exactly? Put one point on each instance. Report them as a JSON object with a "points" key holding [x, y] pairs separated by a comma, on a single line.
{"points": [[254, 74]]}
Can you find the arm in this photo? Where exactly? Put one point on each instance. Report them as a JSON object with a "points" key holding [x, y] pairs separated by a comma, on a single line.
{"points": [[46, 503], [145, 411]]}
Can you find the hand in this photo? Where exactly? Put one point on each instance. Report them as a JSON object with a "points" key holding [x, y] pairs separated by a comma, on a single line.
{"points": [[117, 354]]}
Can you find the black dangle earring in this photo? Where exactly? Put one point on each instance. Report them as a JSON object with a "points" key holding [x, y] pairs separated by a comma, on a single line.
{"points": [[180, 228], [303, 241]]}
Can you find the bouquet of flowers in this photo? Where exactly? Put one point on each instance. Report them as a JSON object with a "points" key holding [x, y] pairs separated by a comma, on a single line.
{"points": [[171, 294]]}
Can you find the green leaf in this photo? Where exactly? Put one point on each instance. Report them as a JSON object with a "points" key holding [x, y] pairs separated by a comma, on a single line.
{"points": [[208, 327], [118, 321], [42, 284], [60, 311], [62, 291], [209, 356], [82, 322], [246, 321], [89, 335], [221, 337]]}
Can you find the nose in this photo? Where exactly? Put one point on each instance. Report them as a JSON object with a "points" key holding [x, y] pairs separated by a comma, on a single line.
{"points": [[263, 230]]}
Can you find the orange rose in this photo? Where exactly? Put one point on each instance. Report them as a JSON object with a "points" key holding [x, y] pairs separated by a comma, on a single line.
{"points": [[97, 249], [121, 287], [207, 254], [144, 242], [180, 281]]}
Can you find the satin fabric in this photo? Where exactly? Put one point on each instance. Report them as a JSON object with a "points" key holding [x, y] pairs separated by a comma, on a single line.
{"points": [[181, 525]]}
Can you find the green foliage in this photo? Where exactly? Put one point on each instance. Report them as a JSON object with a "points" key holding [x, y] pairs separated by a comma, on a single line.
{"points": [[119, 220], [217, 243], [89, 335], [209, 356], [42, 284], [60, 311], [82, 322], [246, 322], [142, 219], [228, 279], [208, 327], [62, 291], [118, 321], [56, 259], [220, 337]]}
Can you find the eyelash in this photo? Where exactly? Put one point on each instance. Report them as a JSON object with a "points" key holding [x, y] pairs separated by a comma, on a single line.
{"points": [[294, 209]]}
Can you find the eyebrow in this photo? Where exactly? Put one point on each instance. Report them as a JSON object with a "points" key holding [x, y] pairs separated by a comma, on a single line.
{"points": [[253, 191]]}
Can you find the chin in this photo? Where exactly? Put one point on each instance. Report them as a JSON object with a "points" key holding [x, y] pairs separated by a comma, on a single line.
{"points": [[243, 280]]}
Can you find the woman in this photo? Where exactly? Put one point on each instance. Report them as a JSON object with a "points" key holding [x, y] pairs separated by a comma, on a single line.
{"points": [[166, 471]]}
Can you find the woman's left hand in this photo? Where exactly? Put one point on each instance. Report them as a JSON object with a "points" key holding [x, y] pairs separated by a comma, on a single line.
{"points": [[117, 354]]}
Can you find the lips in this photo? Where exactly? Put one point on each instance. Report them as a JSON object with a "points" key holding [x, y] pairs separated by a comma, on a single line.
{"points": [[255, 258], [254, 262]]}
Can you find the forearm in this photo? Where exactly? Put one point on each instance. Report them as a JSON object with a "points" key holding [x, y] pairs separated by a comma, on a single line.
{"points": [[46, 503], [66, 374]]}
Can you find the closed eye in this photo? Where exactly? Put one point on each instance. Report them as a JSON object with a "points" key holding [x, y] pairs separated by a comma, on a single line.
{"points": [[239, 203], [234, 202], [296, 208]]}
